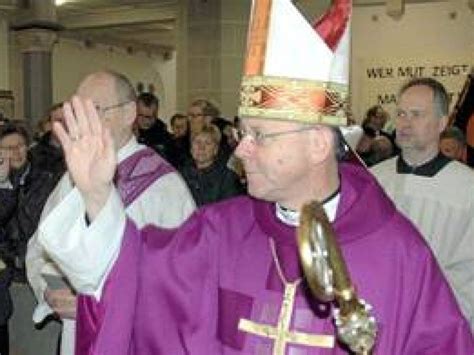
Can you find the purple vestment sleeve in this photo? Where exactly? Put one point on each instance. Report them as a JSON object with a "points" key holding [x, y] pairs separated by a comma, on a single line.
{"points": [[112, 317], [178, 288], [180, 312]]}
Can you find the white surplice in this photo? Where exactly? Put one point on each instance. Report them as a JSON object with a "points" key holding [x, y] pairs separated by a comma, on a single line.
{"points": [[442, 207], [165, 203]]}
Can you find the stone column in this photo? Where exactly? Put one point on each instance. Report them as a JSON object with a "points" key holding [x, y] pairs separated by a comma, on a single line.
{"points": [[204, 35], [36, 35], [36, 46], [234, 23], [182, 57], [4, 52], [216, 35]]}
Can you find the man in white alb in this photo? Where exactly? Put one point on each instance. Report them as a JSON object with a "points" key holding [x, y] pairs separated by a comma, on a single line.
{"points": [[435, 192], [151, 190]]}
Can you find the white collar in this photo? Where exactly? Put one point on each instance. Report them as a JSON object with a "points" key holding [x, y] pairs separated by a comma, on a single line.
{"points": [[292, 217], [128, 149]]}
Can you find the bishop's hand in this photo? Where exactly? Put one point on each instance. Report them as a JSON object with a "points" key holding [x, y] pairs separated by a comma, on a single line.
{"points": [[89, 152]]}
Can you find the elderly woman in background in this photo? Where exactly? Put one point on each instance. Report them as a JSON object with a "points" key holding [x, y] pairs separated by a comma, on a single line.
{"points": [[30, 186], [208, 177], [202, 113]]}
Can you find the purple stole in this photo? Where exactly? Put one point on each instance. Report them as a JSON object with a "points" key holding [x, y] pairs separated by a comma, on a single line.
{"points": [[134, 175]]}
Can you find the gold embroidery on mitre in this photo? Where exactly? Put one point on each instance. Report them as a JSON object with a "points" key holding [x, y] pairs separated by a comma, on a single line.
{"points": [[300, 100]]}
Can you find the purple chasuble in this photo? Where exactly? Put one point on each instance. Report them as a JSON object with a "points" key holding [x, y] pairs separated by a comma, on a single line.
{"points": [[134, 175], [185, 293]]}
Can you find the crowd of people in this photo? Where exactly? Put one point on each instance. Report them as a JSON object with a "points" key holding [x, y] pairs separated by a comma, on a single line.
{"points": [[120, 234], [199, 145]]}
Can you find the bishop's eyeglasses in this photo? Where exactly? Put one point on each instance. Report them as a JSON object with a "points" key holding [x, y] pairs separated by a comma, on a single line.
{"points": [[259, 137]]}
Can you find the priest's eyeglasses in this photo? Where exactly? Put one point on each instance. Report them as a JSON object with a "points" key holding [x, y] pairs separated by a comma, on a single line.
{"points": [[259, 137], [103, 110], [13, 148]]}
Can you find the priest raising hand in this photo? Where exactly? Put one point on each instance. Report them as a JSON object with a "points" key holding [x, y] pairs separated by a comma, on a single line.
{"points": [[89, 151], [104, 162]]}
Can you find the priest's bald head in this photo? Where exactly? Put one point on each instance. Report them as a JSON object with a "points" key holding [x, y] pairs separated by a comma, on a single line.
{"points": [[115, 101]]}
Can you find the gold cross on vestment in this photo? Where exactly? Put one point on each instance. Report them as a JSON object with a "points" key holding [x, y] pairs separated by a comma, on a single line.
{"points": [[281, 332]]}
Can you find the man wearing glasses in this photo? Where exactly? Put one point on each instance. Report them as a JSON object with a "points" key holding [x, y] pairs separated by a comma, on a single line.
{"points": [[151, 191], [229, 280]]}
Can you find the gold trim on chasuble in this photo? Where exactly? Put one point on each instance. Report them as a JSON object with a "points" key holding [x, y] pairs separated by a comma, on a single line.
{"points": [[288, 99], [281, 333]]}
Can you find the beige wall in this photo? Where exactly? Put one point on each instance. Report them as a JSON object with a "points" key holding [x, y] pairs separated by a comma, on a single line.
{"points": [[16, 75], [438, 36], [72, 61], [4, 62], [427, 35], [6, 105], [434, 39], [216, 36], [234, 22]]}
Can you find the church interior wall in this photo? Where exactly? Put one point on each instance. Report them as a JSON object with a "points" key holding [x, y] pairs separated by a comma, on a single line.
{"points": [[4, 52], [433, 39], [430, 39], [204, 61], [72, 60], [234, 22], [15, 77]]}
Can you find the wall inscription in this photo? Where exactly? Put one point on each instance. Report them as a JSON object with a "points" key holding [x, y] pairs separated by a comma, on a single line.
{"points": [[385, 80]]}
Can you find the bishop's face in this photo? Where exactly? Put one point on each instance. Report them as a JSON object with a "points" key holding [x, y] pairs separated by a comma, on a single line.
{"points": [[276, 167]]}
